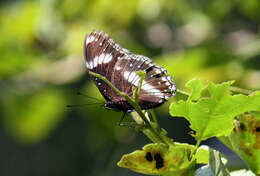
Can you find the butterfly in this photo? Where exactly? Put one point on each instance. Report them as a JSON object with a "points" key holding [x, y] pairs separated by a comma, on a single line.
{"points": [[119, 66]]}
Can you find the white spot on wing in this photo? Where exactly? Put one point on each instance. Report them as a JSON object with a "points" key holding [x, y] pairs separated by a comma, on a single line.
{"points": [[157, 71], [150, 89], [87, 65], [126, 74], [167, 96], [95, 62], [169, 78], [91, 65], [135, 79], [101, 58], [164, 79], [132, 76], [125, 50], [107, 58], [90, 39], [118, 68]]}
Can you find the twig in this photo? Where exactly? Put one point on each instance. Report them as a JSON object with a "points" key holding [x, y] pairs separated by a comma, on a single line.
{"points": [[240, 90], [183, 92], [135, 105]]}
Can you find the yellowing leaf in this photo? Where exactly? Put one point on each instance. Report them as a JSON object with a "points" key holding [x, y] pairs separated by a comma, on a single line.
{"points": [[245, 139], [159, 159]]}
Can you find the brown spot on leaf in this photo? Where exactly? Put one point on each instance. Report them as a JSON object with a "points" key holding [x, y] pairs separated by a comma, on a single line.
{"points": [[189, 154], [255, 131], [159, 160], [149, 156], [245, 148], [235, 130], [242, 126]]}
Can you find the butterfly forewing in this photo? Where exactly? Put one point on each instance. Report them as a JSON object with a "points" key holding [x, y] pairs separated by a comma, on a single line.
{"points": [[99, 57], [120, 74], [119, 66]]}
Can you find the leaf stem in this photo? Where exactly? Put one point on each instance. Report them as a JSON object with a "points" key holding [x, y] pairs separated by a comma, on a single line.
{"points": [[196, 147], [240, 90], [142, 75], [135, 105], [183, 92], [154, 117], [232, 88]]}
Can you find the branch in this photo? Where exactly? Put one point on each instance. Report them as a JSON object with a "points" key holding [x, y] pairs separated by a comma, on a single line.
{"points": [[156, 136]]}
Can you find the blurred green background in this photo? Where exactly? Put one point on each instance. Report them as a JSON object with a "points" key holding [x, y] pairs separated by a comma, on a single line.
{"points": [[42, 67]]}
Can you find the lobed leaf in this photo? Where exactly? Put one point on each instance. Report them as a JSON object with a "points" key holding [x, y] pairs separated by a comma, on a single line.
{"points": [[159, 159], [197, 87], [216, 165], [213, 116]]}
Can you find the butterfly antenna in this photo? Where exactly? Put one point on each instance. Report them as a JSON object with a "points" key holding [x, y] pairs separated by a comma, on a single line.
{"points": [[93, 98], [122, 118], [82, 105]]}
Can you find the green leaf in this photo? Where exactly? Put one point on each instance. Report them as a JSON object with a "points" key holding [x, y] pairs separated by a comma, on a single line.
{"points": [[213, 116], [216, 164], [196, 86], [159, 159], [202, 155]]}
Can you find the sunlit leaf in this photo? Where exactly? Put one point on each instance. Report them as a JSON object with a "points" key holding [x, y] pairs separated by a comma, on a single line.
{"points": [[197, 87], [216, 165], [159, 159], [213, 116]]}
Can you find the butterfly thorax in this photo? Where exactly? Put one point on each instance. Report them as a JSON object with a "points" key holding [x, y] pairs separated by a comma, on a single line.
{"points": [[121, 105]]}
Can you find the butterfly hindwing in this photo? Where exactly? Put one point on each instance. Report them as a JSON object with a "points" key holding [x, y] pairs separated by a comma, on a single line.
{"points": [[119, 66]]}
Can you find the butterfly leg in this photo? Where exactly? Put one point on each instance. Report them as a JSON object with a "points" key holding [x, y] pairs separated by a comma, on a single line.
{"points": [[133, 125], [122, 118]]}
